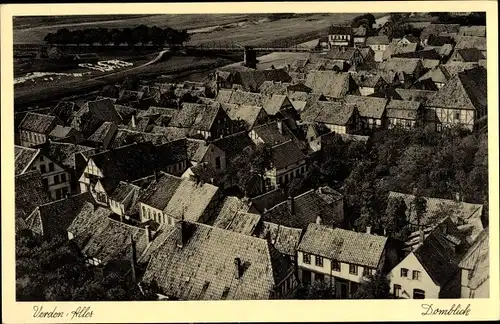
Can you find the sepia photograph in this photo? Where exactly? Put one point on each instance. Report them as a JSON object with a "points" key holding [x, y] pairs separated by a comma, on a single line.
{"points": [[251, 156]]}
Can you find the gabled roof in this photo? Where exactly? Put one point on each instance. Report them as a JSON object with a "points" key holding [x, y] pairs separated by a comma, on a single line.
{"points": [[273, 105], [195, 116], [285, 154], [329, 83], [204, 268], [55, 217], [122, 191], [196, 149], [29, 193], [269, 88], [470, 54], [328, 112], [230, 207], [414, 94], [438, 74], [24, 157], [377, 40], [466, 90], [453, 68], [368, 107], [64, 110], [171, 133], [39, 123], [403, 109], [406, 65], [62, 132], [234, 144], [125, 137], [102, 132], [439, 29], [285, 239], [344, 246], [399, 50], [240, 222], [159, 193], [342, 53], [270, 133], [479, 31], [172, 152], [426, 54], [248, 114], [307, 207], [64, 153], [252, 80], [471, 42], [93, 113]]}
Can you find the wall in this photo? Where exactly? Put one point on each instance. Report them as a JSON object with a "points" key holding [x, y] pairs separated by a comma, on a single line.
{"points": [[404, 123], [337, 128], [408, 284], [448, 117], [56, 187], [29, 139], [366, 91], [212, 154]]}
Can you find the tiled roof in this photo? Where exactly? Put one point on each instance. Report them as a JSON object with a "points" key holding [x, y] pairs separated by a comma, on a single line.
{"points": [[462, 210], [61, 131], [466, 90], [196, 149], [328, 112], [156, 110], [93, 113], [125, 137], [453, 68], [122, 191], [64, 110], [126, 112], [342, 245], [240, 222], [234, 144], [269, 88], [285, 154], [479, 31], [64, 153], [329, 195], [439, 29], [103, 238], [414, 94], [369, 81], [172, 152], [437, 74], [438, 258], [29, 193], [273, 104], [341, 53], [39, 123], [195, 116], [252, 80], [204, 269], [480, 247], [329, 83], [285, 239], [249, 114], [470, 54], [159, 193], [396, 64], [377, 40], [369, 107], [397, 49], [471, 42], [55, 217], [230, 207], [100, 134], [270, 134], [24, 156], [340, 30], [171, 133], [426, 54], [306, 209], [403, 109], [268, 199]]}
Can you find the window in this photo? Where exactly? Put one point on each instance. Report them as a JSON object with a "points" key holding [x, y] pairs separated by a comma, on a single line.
{"points": [[353, 269], [41, 158], [418, 294], [404, 272], [143, 211], [457, 115], [56, 179], [45, 182], [149, 214], [43, 169], [416, 275], [63, 177], [335, 265], [306, 258], [319, 277], [217, 162], [51, 167], [306, 276], [319, 261], [58, 194], [366, 271], [397, 290], [64, 192]]}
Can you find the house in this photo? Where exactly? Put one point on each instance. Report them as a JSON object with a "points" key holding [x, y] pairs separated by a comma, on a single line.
{"points": [[474, 269], [53, 218], [209, 121], [64, 111], [402, 71], [239, 222], [103, 240], [438, 75], [103, 136], [405, 114], [359, 36], [331, 84], [199, 151], [368, 55], [66, 134], [371, 110], [125, 136], [253, 79], [379, 45], [369, 84], [340, 35], [273, 133], [269, 199], [273, 104], [171, 198], [450, 30], [35, 128], [477, 31], [430, 271], [337, 116], [397, 48], [438, 209], [29, 193], [412, 94], [124, 198], [472, 42], [269, 88], [467, 55], [55, 178], [339, 257], [93, 114], [461, 101], [287, 162], [348, 56], [425, 84], [319, 137], [312, 206], [235, 266]]}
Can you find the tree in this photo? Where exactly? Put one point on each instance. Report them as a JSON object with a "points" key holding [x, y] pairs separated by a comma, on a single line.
{"points": [[130, 83], [317, 290], [109, 91], [366, 20], [374, 287], [395, 221], [419, 205]]}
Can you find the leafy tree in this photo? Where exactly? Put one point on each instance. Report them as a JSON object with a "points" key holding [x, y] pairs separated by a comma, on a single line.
{"points": [[395, 221], [419, 205], [366, 20], [317, 290], [374, 287]]}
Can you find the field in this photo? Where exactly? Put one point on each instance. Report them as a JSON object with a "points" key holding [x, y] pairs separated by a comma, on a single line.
{"points": [[252, 28]]}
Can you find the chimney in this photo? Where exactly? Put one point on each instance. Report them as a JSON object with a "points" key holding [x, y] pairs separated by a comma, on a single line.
{"points": [[290, 205], [368, 229], [180, 232], [318, 220], [280, 126], [133, 258], [150, 235], [133, 121], [237, 268], [457, 197]]}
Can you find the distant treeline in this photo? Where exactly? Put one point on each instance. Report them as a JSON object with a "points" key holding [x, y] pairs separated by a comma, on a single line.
{"points": [[131, 36], [472, 19]]}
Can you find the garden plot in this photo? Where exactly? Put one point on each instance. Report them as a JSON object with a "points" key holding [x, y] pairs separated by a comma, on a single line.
{"points": [[36, 77]]}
